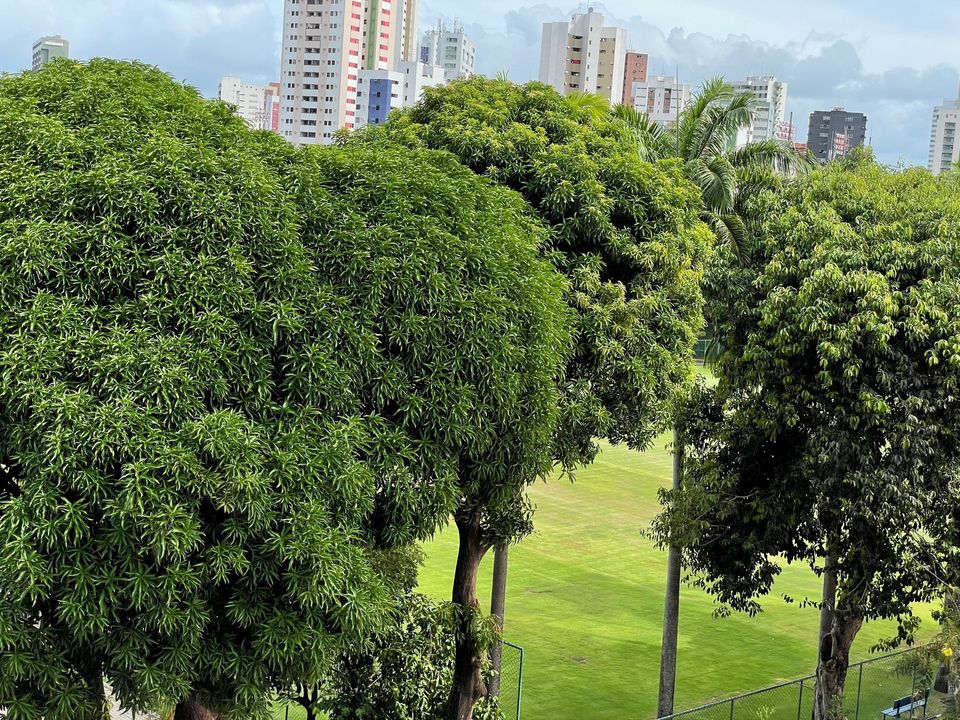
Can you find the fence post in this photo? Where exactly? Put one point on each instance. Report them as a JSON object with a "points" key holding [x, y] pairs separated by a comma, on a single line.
{"points": [[286, 710], [520, 684], [859, 689], [800, 700], [732, 701], [913, 690]]}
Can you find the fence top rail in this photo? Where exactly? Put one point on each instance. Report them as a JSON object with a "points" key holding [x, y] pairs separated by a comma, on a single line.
{"points": [[513, 645], [788, 683]]}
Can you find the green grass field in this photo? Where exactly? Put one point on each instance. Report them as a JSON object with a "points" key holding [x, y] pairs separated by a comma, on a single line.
{"points": [[585, 599]]}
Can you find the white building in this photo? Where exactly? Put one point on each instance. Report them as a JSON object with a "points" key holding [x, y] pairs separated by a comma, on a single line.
{"points": [[584, 56], [944, 149], [451, 49], [254, 103], [380, 91], [768, 109], [326, 43], [661, 98], [49, 47]]}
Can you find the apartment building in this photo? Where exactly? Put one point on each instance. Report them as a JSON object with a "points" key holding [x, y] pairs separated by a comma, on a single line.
{"points": [[326, 43], [254, 103], [47, 48], [584, 55], [380, 91], [449, 48], [634, 71], [834, 133], [944, 149], [768, 110], [661, 98]]}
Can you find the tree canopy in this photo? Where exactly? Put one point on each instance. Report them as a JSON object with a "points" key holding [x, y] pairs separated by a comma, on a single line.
{"points": [[624, 232], [704, 138], [231, 369], [832, 433]]}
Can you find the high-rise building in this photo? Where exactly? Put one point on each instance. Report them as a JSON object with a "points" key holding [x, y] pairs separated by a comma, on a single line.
{"points": [[834, 133], [583, 55], [944, 149], [326, 43], [49, 47], [661, 98], [254, 103], [768, 110], [380, 91], [271, 107], [450, 49], [634, 71]]}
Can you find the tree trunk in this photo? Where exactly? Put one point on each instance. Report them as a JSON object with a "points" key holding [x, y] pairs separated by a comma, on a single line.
{"points": [[671, 605], [832, 666], [193, 709], [828, 604], [498, 603], [94, 682], [467, 682]]}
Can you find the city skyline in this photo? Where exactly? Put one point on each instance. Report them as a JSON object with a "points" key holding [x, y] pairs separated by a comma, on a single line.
{"points": [[893, 64]]}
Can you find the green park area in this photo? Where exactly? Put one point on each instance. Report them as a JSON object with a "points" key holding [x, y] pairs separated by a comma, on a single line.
{"points": [[585, 600]]}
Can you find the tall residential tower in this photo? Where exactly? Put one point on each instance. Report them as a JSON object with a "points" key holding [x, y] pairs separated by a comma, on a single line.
{"points": [[583, 55], [326, 45], [834, 133], [768, 111], [450, 49], [47, 48], [944, 149]]}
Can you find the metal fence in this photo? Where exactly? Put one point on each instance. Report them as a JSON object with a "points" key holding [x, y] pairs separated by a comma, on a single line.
{"points": [[511, 681], [511, 688], [872, 686]]}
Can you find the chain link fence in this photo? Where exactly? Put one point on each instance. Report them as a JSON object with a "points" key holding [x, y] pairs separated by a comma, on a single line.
{"points": [[511, 681], [872, 686], [511, 688]]}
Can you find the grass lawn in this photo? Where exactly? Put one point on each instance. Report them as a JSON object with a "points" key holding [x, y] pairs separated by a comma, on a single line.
{"points": [[585, 600]]}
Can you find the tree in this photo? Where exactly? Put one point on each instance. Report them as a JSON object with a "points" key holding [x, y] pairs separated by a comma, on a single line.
{"points": [[404, 671], [626, 236], [832, 432], [231, 371], [704, 139]]}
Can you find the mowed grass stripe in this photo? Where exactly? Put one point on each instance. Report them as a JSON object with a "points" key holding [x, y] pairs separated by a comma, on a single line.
{"points": [[585, 600]]}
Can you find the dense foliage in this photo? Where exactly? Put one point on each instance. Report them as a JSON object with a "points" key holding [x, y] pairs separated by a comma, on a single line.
{"points": [[230, 369], [833, 430], [626, 236], [404, 670], [705, 139], [625, 233]]}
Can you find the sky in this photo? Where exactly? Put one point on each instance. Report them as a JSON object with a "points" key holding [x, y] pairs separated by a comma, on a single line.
{"points": [[890, 59]]}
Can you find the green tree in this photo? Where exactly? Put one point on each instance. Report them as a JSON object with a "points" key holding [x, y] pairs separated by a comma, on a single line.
{"points": [[703, 138], [455, 285], [231, 370], [404, 671], [624, 233], [832, 435]]}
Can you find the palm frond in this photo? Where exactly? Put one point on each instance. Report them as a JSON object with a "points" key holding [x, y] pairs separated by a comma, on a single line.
{"points": [[717, 180], [729, 231], [589, 106], [713, 92], [719, 125], [777, 155], [652, 141]]}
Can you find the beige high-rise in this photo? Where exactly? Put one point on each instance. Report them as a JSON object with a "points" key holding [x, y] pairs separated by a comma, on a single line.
{"points": [[583, 55]]}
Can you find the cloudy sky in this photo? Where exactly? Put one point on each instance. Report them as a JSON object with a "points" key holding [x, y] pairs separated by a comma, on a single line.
{"points": [[891, 59]]}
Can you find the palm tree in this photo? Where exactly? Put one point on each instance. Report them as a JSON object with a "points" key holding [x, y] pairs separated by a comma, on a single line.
{"points": [[590, 106], [702, 138]]}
